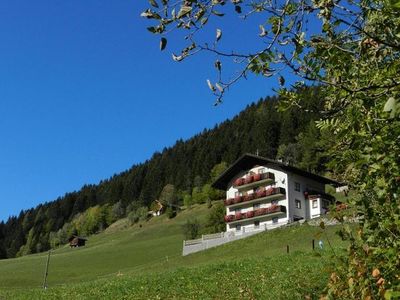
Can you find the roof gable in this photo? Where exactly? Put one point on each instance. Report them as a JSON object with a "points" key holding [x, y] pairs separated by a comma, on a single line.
{"points": [[248, 161]]}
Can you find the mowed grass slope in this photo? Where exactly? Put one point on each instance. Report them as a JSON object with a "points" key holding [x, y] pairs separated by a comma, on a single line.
{"points": [[146, 262], [105, 253]]}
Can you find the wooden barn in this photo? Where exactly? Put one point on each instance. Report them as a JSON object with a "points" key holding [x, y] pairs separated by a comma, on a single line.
{"points": [[76, 241]]}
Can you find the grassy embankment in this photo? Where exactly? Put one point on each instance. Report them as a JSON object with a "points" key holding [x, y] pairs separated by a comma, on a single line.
{"points": [[145, 262]]}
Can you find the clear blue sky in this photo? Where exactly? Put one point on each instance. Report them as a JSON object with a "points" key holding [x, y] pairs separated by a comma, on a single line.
{"points": [[85, 93]]}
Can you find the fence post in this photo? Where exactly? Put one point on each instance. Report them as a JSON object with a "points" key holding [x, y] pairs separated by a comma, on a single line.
{"points": [[313, 244], [287, 248], [46, 272]]}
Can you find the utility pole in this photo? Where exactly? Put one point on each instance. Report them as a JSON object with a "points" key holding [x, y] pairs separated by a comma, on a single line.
{"points": [[46, 271]]}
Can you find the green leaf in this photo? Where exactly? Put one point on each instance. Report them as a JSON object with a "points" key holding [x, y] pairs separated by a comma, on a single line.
{"points": [[217, 13], [150, 15], [391, 295], [177, 58], [390, 104], [217, 65], [185, 10], [153, 3], [152, 29], [395, 4], [219, 87], [204, 21], [281, 80], [212, 88], [163, 43], [218, 34], [263, 31]]}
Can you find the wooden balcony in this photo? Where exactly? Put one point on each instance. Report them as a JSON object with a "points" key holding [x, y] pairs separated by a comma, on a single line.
{"points": [[252, 181], [261, 213], [259, 197]]}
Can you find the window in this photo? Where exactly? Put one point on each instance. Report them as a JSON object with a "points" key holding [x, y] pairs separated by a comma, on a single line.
{"points": [[274, 220], [274, 202], [297, 186], [238, 227], [256, 224], [315, 204], [256, 206], [298, 203]]}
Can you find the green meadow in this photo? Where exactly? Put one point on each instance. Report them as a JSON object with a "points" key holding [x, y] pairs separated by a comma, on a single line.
{"points": [[144, 262]]}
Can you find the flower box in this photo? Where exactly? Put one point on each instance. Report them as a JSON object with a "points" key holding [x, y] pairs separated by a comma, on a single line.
{"points": [[256, 177], [237, 199], [238, 216], [271, 209], [239, 182], [258, 212], [228, 201], [229, 218], [260, 193], [269, 191], [249, 214], [248, 179]]}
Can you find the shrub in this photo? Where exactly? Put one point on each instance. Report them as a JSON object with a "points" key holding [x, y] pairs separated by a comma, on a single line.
{"points": [[191, 229], [141, 214], [215, 219], [171, 213]]}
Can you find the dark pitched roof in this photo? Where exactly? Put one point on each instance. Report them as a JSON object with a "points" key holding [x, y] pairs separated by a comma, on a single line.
{"points": [[248, 161], [77, 237]]}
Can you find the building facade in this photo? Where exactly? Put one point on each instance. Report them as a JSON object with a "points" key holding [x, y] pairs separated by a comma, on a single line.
{"points": [[262, 193]]}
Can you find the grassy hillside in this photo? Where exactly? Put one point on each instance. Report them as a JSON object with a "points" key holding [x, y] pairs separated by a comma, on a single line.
{"points": [[128, 261]]}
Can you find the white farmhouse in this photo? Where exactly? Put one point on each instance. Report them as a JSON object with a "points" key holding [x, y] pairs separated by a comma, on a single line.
{"points": [[262, 193]]}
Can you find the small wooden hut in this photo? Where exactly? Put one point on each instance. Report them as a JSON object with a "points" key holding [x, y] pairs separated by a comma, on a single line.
{"points": [[76, 241]]}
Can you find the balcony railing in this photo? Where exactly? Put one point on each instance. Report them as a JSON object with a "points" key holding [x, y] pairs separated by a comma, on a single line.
{"points": [[310, 194], [261, 195], [252, 180], [272, 210]]}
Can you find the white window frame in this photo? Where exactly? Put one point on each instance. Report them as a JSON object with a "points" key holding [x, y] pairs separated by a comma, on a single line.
{"points": [[297, 203], [315, 204]]}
